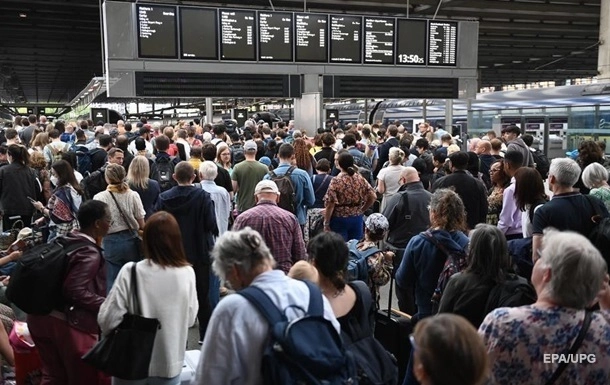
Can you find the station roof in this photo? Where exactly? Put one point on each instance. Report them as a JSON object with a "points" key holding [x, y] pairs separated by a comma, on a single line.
{"points": [[51, 49]]}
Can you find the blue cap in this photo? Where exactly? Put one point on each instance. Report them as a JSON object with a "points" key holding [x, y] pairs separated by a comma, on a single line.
{"points": [[265, 160]]}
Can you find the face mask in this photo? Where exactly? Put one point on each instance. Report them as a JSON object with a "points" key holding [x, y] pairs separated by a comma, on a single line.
{"points": [[54, 180]]}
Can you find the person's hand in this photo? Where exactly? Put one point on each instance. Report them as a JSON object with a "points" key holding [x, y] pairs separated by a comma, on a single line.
{"points": [[15, 255], [389, 256], [40, 221], [5, 280], [38, 205], [603, 296]]}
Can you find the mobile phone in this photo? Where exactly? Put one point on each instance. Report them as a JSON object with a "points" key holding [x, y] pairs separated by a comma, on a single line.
{"points": [[31, 199]]}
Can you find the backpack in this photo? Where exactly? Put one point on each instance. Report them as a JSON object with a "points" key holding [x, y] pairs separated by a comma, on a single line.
{"points": [[375, 366], [237, 154], [57, 153], [306, 350], [542, 163], [93, 183], [84, 165], [288, 197], [513, 292], [37, 279], [600, 234], [165, 168], [357, 265], [456, 261]]}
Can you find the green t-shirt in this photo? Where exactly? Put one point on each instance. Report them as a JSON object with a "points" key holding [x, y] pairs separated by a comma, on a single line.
{"points": [[247, 174], [603, 193]]}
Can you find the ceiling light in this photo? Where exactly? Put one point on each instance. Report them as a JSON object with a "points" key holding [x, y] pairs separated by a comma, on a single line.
{"points": [[23, 15]]}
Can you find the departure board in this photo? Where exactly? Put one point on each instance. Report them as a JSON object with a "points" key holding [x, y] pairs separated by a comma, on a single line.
{"points": [[442, 43], [275, 37], [345, 39], [378, 40], [311, 32], [411, 42], [157, 31], [237, 34], [198, 33]]}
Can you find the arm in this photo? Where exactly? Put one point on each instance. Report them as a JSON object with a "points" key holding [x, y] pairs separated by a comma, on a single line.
{"points": [[371, 197], [329, 207], [298, 244], [380, 186], [309, 197], [15, 255], [116, 304], [83, 266], [536, 245], [193, 303], [235, 186], [506, 215]]}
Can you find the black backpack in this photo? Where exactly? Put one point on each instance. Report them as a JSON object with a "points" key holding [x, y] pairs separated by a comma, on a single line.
{"points": [[306, 350], [400, 223], [513, 292], [542, 163], [288, 198], [237, 154], [600, 234], [37, 279], [374, 365], [165, 169], [94, 183]]}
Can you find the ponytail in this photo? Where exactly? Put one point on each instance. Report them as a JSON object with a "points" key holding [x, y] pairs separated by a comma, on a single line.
{"points": [[351, 171]]}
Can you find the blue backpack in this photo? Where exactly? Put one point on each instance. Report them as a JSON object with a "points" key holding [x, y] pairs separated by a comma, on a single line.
{"points": [[357, 266], [307, 350]]}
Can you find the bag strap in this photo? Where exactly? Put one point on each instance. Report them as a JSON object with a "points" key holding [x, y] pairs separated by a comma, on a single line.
{"points": [[403, 203], [321, 184], [575, 346], [134, 289], [596, 210], [121, 211], [289, 172], [436, 243], [316, 304], [353, 246], [263, 304]]}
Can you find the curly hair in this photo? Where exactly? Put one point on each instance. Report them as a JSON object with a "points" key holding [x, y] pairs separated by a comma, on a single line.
{"points": [[302, 155], [448, 211], [589, 152]]}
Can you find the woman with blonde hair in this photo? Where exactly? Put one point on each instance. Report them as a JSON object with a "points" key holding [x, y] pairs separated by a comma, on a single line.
{"points": [[388, 179], [121, 243], [223, 157], [39, 141], [138, 180], [165, 265]]}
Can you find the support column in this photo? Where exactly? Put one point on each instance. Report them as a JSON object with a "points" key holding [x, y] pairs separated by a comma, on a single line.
{"points": [[448, 114], [209, 111], [308, 108], [603, 57]]}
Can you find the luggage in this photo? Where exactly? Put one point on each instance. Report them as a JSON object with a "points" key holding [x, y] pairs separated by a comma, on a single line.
{"points": [[191, 360], [392, 329]]}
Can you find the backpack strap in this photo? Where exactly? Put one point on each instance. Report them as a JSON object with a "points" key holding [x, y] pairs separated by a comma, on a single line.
{"points": [[429, 236], [353, 247], [398, 210], [316, 304], [321, 184], [263, 304], [272, 174]]}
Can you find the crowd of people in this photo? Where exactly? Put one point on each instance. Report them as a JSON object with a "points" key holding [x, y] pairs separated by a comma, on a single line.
{"points": [[494, 239]]}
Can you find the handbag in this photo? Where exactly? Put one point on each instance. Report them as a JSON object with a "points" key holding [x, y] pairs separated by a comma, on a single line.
{"points": [[136, 238], [125, 353], [8, 237]]}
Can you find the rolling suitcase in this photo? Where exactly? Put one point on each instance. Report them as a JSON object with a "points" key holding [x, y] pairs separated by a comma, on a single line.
{"points": [[392, 329]]}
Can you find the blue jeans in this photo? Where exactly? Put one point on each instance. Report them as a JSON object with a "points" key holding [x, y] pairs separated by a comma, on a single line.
{"points": [[148, 381], [348, 227], [214, 289], [119, 248]]}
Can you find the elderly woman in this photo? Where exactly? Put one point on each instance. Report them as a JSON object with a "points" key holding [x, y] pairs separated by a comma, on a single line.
{"points": [[423, 261], [595, 177], [521, 342], [468, 292], [388, 179], [447, 335]]}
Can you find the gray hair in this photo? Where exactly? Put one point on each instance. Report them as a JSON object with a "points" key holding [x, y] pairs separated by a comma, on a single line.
{"points": [[244, 248], [577, 268], [208, 170], [565, 170], [594, 175]]}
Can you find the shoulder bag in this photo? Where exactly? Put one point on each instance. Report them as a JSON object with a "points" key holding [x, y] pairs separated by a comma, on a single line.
{"points": [[125, 353], [136, 237]]}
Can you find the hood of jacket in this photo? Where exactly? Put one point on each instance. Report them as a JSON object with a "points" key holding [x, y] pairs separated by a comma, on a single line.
{"points": [[519, 142]]}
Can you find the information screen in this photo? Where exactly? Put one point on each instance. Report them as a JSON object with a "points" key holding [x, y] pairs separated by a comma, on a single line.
{"points": [[311, 35], [411, 42], [275, 36], [198, 33], [238, 35], [442, 47], [157, 31], [345, 39], [378, 40]]}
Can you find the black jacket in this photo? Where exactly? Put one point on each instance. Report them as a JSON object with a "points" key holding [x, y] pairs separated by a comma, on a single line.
{"points": [[403, 228], [473, 194], [17, 183]]}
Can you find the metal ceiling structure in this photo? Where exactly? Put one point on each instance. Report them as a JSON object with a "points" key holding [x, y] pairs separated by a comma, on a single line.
{"points": [[51, 49]]}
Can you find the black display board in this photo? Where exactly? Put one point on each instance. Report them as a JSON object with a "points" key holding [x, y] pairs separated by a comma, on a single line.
{"points": [[378, 40], [411, 42], [237, 34], [157, 36], [198, 33], [311, 34], [345, 39], [275, 36], [442, 43]]}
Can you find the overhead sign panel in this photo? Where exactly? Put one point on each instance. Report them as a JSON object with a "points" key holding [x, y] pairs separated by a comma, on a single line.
{"points": [[198, 33], [311, 33], [275, 36], [442, 46], [238, 35], [157, 31], [378, 40], [345, 39], [411, 42]]}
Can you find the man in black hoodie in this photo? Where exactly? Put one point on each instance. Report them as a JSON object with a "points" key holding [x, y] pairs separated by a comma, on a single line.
{"points": [[193, 208]]}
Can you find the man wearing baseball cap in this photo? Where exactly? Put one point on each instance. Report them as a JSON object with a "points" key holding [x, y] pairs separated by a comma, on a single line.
{"points": [[246, 175], [279, 228]]}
